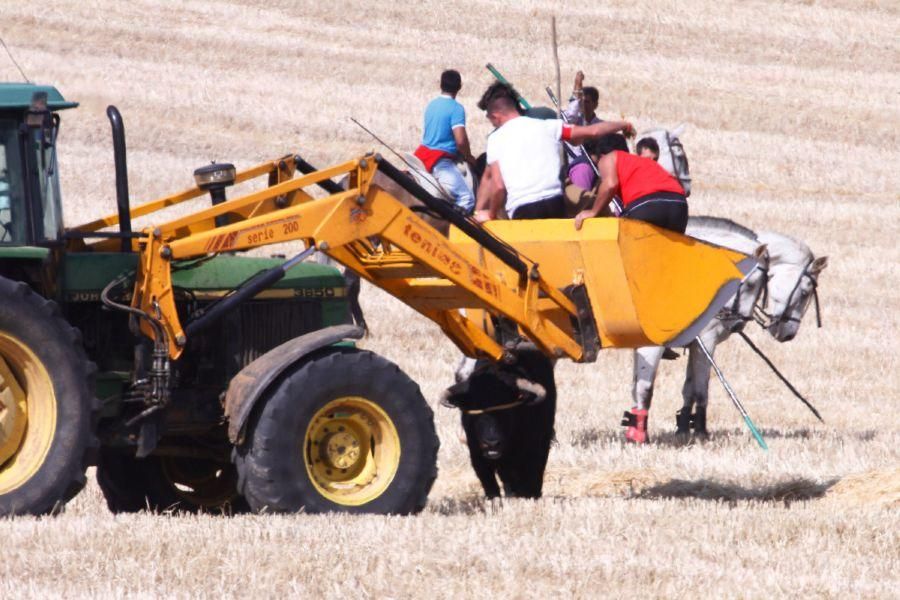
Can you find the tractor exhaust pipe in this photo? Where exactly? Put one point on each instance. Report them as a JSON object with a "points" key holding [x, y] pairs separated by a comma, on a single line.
{"points": [[118, 136]]}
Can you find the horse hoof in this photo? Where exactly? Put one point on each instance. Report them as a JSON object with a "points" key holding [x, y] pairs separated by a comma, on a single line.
{"points": [[701, 436], [669, 354]]}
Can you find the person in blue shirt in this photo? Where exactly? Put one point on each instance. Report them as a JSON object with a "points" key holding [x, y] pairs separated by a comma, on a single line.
{"points": [[445, 142]]}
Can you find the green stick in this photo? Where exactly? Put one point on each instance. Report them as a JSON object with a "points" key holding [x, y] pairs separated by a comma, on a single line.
{"points": [[502, 79], [734, 398]]}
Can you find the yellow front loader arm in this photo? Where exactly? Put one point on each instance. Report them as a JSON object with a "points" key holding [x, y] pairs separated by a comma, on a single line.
{"points": [[639, 286]]}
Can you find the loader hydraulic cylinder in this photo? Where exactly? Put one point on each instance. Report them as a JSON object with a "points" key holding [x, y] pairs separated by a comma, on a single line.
{"points": [[326, 184], [251, 288], [446, 211]]}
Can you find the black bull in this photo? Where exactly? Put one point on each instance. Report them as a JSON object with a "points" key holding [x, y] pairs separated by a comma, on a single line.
{"points": [[507, 414]]}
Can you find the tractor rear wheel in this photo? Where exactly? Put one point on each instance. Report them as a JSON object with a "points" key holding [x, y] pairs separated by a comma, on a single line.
{"points": [[346, 431], [167, 483], [46, 404]]}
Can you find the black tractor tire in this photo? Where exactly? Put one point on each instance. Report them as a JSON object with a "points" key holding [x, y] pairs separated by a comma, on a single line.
{"points": [[345, 431], [167, 484], [43, 465]]}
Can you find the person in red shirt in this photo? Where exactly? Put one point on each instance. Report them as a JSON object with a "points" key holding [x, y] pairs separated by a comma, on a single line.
{"points": [[648, 192]]}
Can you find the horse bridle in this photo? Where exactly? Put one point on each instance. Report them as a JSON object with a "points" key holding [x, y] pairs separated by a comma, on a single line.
{"points": [[734, 313], [766, 320]]}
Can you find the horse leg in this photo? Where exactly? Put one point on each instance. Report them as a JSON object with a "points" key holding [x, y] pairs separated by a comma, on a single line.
{"points": [[646, 363], [684, 415], [696, 390]]}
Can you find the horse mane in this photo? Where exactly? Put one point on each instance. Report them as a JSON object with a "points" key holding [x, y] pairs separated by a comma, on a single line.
{"points": [[721, 224], [782, 249], [786, 249]]}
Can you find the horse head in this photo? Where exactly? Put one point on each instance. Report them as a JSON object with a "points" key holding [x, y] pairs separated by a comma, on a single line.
{"points": [[671, 154], [793, 282]]}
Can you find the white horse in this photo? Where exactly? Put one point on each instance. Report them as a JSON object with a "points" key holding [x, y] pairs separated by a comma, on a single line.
{"points": [[778, 291], [671, 154]]}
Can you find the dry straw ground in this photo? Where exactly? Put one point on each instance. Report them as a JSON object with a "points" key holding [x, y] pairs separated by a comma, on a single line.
{"points": [[794, 125]]}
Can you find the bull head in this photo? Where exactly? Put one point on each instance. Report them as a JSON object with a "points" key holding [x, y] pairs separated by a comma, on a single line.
{"points": [[492, 389]]}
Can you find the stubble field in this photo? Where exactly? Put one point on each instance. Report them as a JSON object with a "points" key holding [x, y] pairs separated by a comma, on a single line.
{"points": [[793, 113]]}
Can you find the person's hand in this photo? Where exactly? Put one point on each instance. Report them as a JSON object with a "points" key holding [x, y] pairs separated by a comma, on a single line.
{"points": [[629, 131], [580, 217], [579, 80], [483, 215]]}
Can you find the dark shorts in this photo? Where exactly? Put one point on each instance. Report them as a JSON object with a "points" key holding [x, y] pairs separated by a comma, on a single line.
{"points": [[548, 208], [663, 209]]}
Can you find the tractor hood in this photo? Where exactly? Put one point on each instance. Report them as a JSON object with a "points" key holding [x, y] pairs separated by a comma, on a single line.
{"points": [[86, 274]]}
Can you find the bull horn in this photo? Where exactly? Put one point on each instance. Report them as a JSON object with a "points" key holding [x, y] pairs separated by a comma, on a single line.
{"points": [[465, 369], [531, 387]]}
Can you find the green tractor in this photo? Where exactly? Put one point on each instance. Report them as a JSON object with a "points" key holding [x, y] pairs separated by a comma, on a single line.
{"points": [[309, 421]]}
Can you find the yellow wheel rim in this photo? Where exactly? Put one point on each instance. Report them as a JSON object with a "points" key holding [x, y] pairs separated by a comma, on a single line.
{"points": [[27, 413], [351, 450]]}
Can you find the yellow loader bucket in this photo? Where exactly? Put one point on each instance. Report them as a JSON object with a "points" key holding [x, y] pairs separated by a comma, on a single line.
{"points": [[647, 286]]}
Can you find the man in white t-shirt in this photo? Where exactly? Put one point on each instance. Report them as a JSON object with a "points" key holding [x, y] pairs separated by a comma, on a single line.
{"points": [[523, 158]]}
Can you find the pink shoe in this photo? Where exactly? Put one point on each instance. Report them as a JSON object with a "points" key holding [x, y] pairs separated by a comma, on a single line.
{"points": [[635, 423]]}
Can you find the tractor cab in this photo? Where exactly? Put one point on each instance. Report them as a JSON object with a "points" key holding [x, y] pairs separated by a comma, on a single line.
{"points": [[30, 204]]}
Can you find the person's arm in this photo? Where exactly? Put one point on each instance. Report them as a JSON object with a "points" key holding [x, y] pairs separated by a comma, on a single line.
{"points": [[573, 112], [458, 128], [491, 194], [609, 183], [462, 144], [582, 133]]}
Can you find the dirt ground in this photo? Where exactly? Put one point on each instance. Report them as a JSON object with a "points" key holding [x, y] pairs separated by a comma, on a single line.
{"points": [[793, 116]]}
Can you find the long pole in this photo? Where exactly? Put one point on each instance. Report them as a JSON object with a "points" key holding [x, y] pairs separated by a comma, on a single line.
{"points": [[616, 204], [781, 377], [556, 58], [562, 151], [734, 398], [431, 181]]}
